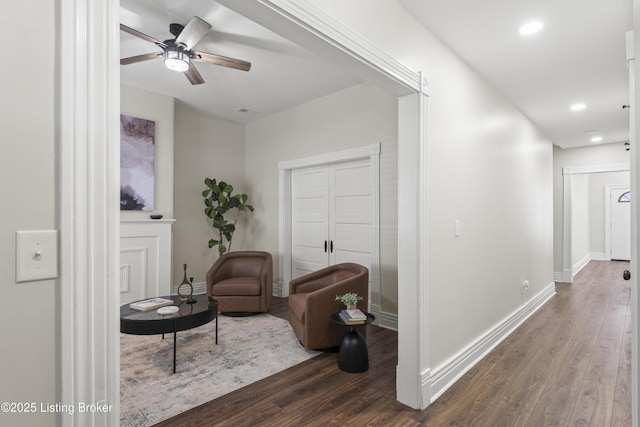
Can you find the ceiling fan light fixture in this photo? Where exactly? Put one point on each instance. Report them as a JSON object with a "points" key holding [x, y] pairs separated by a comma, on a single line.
{"points": [[176, 60]]}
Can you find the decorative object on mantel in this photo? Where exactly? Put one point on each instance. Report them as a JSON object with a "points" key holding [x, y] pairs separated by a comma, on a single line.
{"points": [[350, 299], [219, 201], [184, 297]]}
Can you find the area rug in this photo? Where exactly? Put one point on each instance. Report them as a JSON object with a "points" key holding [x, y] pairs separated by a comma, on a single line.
{"points": [[249, 349]]}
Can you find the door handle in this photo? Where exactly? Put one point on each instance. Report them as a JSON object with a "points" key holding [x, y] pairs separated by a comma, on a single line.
{"points": [[332, 246], [626, 275], [325, 246]]}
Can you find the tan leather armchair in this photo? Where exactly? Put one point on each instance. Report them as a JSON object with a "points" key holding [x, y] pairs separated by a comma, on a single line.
{"points": [[242, 282], [312, 301]]}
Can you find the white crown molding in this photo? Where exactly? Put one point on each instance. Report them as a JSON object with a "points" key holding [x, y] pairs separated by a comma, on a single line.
{"points": [[343, 37], [326, 35]]}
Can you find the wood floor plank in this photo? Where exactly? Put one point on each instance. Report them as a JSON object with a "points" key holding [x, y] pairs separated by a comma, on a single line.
{"points": [[554, 406], [621, 408], [569, 364]]}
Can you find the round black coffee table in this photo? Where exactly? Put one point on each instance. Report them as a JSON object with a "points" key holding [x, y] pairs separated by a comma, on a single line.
{"points": [[353, 355], [189, 316]]}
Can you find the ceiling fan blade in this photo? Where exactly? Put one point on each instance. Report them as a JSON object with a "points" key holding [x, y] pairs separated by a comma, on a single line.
{"points": [[193, 32], [224, 61], [193, 75], [140, 35], [140, 58]]}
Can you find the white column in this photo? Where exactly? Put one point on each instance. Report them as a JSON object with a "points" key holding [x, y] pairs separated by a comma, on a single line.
{"points": [[567, 235], [88, 181], [413, 378]]}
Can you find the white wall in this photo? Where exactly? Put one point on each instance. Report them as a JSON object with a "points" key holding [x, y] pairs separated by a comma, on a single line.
{"points": [[29, 315], [205, 146], [489, 167], [159, 108], [580, 242], [351, 118]]}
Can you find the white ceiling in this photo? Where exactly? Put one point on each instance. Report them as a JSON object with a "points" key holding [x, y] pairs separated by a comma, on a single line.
{"points": [[578, 57], [282, 74]]}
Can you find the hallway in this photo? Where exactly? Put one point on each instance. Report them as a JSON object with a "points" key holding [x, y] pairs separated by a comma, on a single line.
{"points": [[569, 364]]}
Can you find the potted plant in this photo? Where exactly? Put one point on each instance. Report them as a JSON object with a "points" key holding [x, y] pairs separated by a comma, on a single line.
{"points": [[350, 299], [219, 201]]}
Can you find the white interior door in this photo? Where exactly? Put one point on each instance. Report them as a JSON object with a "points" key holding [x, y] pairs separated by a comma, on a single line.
{"points": [[332, 216], [620, 224], [350, 215], [310, 222]]}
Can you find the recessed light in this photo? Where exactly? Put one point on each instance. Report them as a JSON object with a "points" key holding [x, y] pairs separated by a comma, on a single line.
{"points": [[531, 28], [596, 139], [578, 107]]}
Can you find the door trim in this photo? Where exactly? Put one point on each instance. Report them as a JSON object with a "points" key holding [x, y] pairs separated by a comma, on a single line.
{"points": [[370, 152], [567, 177]]}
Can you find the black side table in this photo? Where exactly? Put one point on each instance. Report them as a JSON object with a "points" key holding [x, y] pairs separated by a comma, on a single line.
{"points": [[353, 356]]}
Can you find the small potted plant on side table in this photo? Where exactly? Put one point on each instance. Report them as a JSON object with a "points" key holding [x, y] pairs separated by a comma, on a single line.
{"points": [[350, 299]]}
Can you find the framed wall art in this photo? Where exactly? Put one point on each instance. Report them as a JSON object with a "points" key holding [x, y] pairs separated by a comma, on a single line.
{"points": [[137, 156]]}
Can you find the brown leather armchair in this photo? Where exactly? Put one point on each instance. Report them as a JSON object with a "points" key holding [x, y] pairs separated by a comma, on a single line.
{"points": [[312, 301], [242, 282]]}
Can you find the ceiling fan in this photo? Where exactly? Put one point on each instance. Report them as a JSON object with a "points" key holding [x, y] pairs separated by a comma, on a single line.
{"points": [[177, 52]]}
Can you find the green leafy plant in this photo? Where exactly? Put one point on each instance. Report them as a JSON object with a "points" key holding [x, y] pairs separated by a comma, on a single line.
{"points": [[219, 201], [349, 299]]}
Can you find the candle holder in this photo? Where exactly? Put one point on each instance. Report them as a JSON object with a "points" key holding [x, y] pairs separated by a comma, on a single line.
{"points": [[182, 292]]}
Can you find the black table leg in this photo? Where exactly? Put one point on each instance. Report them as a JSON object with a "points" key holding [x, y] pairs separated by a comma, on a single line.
{"points": [[216, 330], [174, 352], [353, 356]]}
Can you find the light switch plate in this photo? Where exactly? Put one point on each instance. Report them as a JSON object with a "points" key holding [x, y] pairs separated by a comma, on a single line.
{"points": [[36, 255]]}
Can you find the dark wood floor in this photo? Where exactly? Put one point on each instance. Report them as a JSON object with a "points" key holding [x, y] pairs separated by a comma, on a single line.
{"points": [[569, 364]]}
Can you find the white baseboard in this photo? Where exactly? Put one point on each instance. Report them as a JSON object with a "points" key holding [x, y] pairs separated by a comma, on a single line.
{"points": [[451, 371], [567, 276], [278, 289], [388, 321], [201, 288], [581, 264]]}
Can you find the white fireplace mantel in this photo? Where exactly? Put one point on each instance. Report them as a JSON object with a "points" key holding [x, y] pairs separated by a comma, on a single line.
{"points": [[145, 258]]}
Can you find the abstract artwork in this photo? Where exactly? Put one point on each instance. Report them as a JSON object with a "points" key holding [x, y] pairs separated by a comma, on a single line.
{"points": [[137, 152]]}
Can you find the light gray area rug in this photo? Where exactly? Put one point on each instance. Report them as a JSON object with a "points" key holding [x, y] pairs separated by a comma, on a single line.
{"points": [[249, 349]]}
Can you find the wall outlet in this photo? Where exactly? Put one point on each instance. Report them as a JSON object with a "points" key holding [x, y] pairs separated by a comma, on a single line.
{"points": [[525, 285]]}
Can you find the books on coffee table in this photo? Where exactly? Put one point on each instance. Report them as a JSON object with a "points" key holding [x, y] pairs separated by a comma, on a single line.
{"points": [[353, 317], [150, 304]]}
